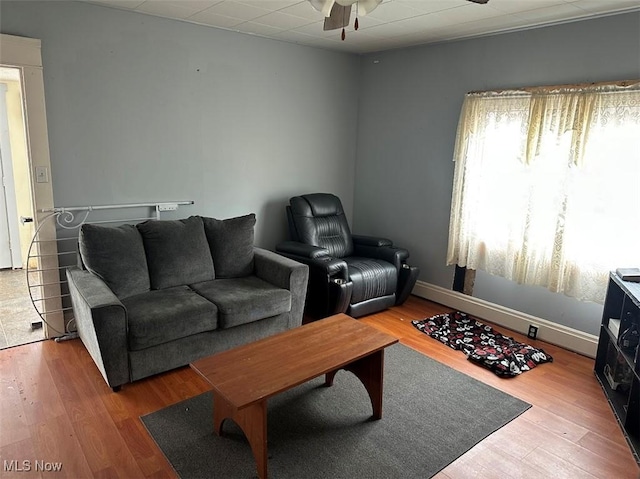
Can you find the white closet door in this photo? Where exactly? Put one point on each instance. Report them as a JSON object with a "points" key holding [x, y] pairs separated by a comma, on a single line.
{"points": [[9, 235]]}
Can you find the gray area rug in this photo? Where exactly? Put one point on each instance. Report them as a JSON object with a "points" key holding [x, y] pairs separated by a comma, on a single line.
{"points": [[431, 415]]}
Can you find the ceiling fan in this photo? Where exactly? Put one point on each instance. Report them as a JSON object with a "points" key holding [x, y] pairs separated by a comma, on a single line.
{"points": [[337, 12]]}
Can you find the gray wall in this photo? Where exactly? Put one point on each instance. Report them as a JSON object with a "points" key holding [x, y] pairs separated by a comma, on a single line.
{"points": [[144, 109], [409, 108]]}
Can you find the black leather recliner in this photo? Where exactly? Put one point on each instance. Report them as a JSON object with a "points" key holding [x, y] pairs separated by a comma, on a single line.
{"points": [[356, 275]]}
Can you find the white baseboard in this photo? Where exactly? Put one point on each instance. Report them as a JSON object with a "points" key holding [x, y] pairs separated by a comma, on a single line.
{"points": [[553, 333]]}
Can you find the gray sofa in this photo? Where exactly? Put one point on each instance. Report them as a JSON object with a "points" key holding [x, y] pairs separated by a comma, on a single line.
{"points": [[157, 295]]}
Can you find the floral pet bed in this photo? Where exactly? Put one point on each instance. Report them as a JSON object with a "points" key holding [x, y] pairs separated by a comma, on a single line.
{"points": [[482, 344]]}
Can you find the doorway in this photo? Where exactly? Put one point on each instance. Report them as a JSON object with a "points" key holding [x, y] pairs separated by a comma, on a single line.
{"points": [[19, 322], [24, 195], [13, 158]]}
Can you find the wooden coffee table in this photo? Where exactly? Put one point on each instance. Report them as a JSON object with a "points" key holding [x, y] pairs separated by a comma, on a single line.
{"points": [[244, 378]]}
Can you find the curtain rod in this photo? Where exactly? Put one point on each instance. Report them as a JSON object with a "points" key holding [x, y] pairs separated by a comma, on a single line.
{"points": [[621, 83]]}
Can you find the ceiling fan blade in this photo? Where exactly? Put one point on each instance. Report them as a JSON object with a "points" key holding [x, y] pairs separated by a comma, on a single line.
{"points": [[338, 18]]}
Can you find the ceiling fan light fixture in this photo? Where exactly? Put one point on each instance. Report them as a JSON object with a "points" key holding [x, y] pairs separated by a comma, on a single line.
{"points": [[337, 12], [323, 6], [364, 6]]}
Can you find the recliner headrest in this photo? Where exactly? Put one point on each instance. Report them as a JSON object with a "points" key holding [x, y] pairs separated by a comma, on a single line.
{"points": [[318, 219], [316, 204]]}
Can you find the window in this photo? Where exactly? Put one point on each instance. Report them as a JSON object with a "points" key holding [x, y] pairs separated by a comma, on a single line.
{"points": [[547, 186]]}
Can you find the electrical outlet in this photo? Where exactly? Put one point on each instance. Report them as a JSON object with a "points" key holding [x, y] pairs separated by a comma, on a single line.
{"points": [[533, 332], [167, 207]]}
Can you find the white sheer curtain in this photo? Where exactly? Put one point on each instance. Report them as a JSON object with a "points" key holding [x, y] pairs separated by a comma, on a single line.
{"points": [[547, 186]]}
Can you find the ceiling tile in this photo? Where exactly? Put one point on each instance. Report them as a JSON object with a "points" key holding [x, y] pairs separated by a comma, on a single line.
{"points": [[420, 23], [303, 10], [283, 21], [125, 4], [483, 27], [388, 30], [393, 11], [257, 29], [599, 6], [418, 38], [168, 9], [461, 14], [496, 24], [198, 5], [393, 24], [368, 21], [213, 19], [511, 6], [430, 6], [271, 5], [565, 11], [238, 10]]}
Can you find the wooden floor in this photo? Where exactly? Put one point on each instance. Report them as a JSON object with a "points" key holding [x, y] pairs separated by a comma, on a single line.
{"points": [[55, 407]]}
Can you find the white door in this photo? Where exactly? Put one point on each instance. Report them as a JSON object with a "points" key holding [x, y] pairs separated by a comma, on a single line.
{"points": [[5, 243], [10, 255]]}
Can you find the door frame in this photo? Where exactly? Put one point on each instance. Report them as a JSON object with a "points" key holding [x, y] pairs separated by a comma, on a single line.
{"points": [[25, 54]]}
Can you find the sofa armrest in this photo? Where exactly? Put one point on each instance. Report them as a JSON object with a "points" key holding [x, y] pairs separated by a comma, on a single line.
{"points": [[101, 320], [287, 274]]}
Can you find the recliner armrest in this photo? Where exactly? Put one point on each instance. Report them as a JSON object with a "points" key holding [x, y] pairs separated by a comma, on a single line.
{"points": [[101, 320], [329, 286], [325, 266], [335, 268], [395, 256], [301, 249], [371, 241]]}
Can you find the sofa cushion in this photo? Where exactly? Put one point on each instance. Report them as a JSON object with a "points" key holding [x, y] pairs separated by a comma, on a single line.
{"points": [[243, 300], [157, 317], [177, 252], [231, 243], [116, 255]]}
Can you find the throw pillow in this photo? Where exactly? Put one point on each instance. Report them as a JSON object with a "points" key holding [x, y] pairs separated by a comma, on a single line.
{"points": [[231, 243], [115, 254], [177, 252]]}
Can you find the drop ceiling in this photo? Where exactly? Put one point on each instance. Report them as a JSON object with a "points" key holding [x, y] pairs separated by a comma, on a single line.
{"points": [[394, 24]]}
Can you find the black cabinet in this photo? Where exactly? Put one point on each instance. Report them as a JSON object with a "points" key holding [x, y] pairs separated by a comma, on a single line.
{"points": [[618, 367]]}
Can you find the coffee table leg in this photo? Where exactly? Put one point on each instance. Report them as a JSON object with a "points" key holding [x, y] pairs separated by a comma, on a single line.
{"points": [[221, 411], [328, 378], [253, 422], [370, 370]]}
